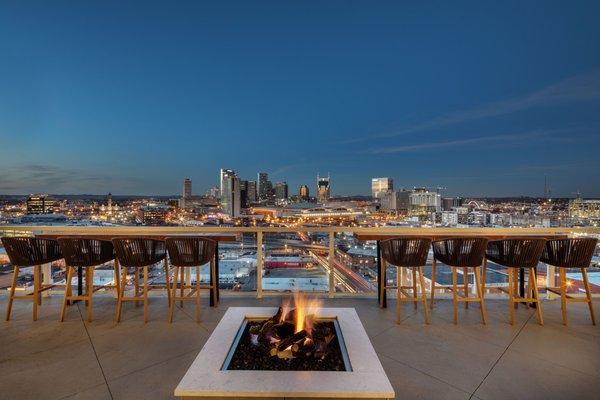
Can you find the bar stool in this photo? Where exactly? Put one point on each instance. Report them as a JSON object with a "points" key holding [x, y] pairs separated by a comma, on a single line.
{"points": [[88, 253], [465, 253], [514, 254], [410, 253], [571, 253], [137, 253], [187, 252], [25, 252]]}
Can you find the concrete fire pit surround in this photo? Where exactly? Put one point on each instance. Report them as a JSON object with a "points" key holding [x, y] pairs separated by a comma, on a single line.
{"points": [[206, 379]]}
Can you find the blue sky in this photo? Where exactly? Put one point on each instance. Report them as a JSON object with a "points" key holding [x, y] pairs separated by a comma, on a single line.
{"points": [[483, 98]]}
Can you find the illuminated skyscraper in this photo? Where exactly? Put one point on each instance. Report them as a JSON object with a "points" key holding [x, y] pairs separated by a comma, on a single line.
{"points": [[304, 193], [263, 186], [243, 193], [187, 188], [230, 193], [40, 204], [380, 186], [251, 192], [281, 191], [323, 189]]}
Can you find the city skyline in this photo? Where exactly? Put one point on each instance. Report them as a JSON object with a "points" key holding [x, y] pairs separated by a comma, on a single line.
{"points": [[103, 97]]}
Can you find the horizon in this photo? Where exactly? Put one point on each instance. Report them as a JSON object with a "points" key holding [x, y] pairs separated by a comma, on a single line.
{"points": [[486, 100]]}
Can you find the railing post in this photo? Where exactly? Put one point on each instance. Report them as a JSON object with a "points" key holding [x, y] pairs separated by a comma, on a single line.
{"points": [[331, 262], [259, 263]]}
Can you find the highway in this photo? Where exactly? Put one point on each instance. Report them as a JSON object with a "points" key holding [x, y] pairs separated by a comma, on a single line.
{"points": [[350, 280]]}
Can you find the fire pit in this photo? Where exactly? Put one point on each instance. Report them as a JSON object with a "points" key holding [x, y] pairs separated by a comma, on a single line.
{"points": [[293, 339], [268, 353]]}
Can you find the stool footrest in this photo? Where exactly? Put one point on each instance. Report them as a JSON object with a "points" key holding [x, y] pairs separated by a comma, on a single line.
{"points": [[523, 300], [23, 297]]}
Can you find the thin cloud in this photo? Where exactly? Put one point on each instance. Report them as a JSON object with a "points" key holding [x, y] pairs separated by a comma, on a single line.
{"points": [[33, 178], [583, 87], [458, 142]]}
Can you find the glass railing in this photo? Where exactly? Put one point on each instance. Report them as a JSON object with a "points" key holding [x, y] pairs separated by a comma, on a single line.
{"points": [[269, 260]]}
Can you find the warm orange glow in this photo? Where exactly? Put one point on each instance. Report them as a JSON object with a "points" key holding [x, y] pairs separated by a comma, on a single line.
{"points": [[305, 307]]}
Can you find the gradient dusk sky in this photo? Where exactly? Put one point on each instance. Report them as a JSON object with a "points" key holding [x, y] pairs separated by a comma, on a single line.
{"points": [[483, 98]]}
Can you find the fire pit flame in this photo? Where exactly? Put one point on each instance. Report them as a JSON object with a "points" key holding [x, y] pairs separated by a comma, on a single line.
{"points": [[303, 304], [294, 332]]}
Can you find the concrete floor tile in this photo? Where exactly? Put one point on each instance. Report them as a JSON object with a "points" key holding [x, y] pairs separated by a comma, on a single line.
{"points": [[156, 382], [133, 345], [50, 374], [442, 351], [99, 392], [523, 377], [560, 345], [411, 384]]}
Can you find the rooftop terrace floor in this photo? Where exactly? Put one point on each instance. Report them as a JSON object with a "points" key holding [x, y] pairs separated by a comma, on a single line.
{"points": [[132, 360]]}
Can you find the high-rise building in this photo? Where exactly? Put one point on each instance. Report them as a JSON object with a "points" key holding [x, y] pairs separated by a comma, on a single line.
{"points": [[263, 189], [186, 194], [323, 189], [223, 174], [187, 188], [304, 193], [230, 193], [243, 193], [270, 190], [379, 186], [251, 192], [448, 203], [40, 204], [281, 191], [418, 201]]}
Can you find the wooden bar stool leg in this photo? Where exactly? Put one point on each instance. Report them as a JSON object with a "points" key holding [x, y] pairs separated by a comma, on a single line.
{"points": [[136, 282], [13, 287], [399, 295], [466, 284], [528, 289], [484, 275], [67, 293], [197, 294], [433, 268], [145, 294], [424, 295], [563, 294], [455, 294], [414, 286], [121, 293], [480, 295], [516, 286], [36, 291], [536, 295], [182, 285], [511, 295], [588, 294], [174, 294], [167, 280], [86, 285], [117, 277], [69, 289], [89, 276]]}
